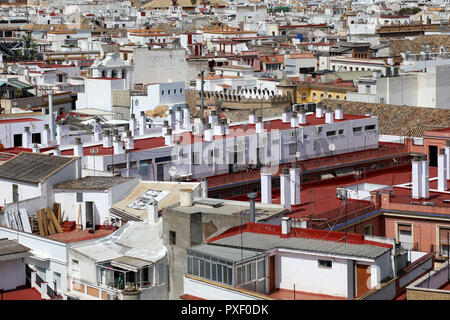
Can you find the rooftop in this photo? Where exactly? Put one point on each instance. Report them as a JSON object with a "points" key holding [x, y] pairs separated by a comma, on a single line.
{"points": [[80, 235], [93, 183], [32, 167]]}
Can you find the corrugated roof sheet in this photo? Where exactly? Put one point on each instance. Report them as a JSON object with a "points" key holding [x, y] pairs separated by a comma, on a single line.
{"points": [[16, 84], [225, 253], [265, 242], [8, 247]]}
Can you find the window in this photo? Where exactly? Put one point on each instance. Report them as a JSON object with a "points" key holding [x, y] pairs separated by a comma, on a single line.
{"points": [[162, 92], [75, 265], [326, 264], [196, 158], [357, 129], [404, 236], [172, 238], [341, 131], [305, 136], [371, 127], [444, 243], [368, 230], [331, 133], [338, 97], [79, 197], [168, 92]]}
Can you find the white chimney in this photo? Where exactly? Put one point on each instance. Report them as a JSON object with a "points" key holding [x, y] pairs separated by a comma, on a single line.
{"points": [[168, 138], [219, 129], [97, 130], [319, 110], [447, 153], [78, 148], [339, 113], [266, 187], [425, 193], [286, 115], [107, 139], [186, 118], [198, 126], [142, 123], [133, 124], [213, 118], [129, 141], [57, 152], [46, 140], [301, 115], [208, 133], [26, 137], [416, 178], [295, 184], [329, 115], [252, 117], [442, 170], [286, 225], [186, 198], [259, 125], [118, 145], [152, 212], [171, 118], [285, 190], [35, 148], [52, 120], [294, 120]]}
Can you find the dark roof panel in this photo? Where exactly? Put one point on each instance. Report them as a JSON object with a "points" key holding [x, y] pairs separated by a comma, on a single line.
{"points": [[32, 167], [93, 183]]}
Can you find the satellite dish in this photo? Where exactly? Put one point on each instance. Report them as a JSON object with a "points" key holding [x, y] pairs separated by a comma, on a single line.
{"points": [[331, 147], [172, 171]]}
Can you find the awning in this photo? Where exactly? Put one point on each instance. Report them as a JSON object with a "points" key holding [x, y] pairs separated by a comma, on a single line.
{"points": [[128, 263]]}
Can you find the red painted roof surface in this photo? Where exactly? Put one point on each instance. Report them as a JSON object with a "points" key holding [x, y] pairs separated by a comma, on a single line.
{"points": [[275, 230], [22, 294], [18, 120], [81, 235], [190, 297]]}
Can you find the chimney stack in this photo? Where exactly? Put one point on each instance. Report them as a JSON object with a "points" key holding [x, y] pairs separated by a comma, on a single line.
{"points": [[213, 118], [118, 145], [252, 117], [78, 148], [286, 116], [186, 198], [35, 148], [329, 115], [295, 184], [286, 225], [319, 110], [442, 170], [26, 137], [97, 130], [171, 118], [46, 139], [339, 113], [447, 153], [168, 138], [219, 129], [294, 120], [425, 178], [133, 125], [301, 115], [259, 125], [57, 151], [152, 213], [266, 186], [416, 178], [186, 118], [107, 139], [208, 133], [142, 123], [285, 192], [129, 141], [252, 196]]}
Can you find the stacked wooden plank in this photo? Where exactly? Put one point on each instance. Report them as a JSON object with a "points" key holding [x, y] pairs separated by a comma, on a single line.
{"points": [[49, 222]]}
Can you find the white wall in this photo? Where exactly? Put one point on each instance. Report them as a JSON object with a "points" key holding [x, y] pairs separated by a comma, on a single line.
{"points": [[12, 274]]}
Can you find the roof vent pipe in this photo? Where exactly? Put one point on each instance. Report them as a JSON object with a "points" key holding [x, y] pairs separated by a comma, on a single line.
{"points": [[252, 196], [142, 123], [442, 170], [266, 186], [295, 184], [301, 116], [285, 192], [152, 212]]}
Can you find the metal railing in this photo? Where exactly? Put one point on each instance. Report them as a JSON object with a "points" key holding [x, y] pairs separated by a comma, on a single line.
{"points": [[52, 293], [39, 280]]}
